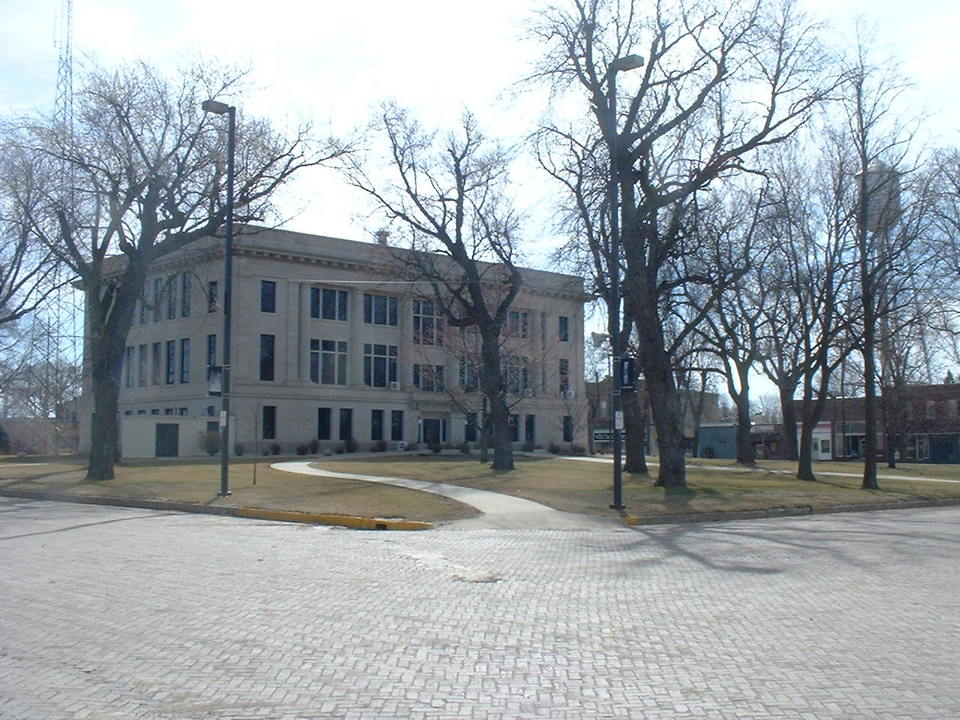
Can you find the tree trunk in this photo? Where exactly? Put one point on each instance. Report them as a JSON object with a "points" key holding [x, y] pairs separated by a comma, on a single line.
{"points": [[495, 390], [745, 452], [500, 432], [805, 465], [662, 391], [635, 422], [789, 421], [869, 399], [106, 366]]}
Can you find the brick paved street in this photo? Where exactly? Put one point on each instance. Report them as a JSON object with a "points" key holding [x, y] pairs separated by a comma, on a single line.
{"points": [[116, 613]]}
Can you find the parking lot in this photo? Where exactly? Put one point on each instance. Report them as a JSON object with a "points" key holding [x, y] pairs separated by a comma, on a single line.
{"points": [[121, 613]]}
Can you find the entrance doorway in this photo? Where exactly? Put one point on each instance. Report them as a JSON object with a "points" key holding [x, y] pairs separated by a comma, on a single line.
{"points": [[168, 440]]}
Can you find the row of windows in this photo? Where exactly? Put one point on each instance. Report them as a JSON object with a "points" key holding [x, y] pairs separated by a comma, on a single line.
{"points": [[156, 363], [428, 316], [329, 359], [431, 429], [171, 297]]}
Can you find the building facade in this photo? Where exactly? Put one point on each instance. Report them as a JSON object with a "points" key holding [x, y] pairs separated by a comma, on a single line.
{"points": [[333, 345]]}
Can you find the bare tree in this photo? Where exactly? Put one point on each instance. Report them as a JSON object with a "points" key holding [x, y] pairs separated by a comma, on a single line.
{"points": [[147, 170], [29, 272], [448, 196], [720, 81]]}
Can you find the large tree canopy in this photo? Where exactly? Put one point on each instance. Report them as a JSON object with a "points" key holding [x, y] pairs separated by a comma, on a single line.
{"points": [[141, 174]]}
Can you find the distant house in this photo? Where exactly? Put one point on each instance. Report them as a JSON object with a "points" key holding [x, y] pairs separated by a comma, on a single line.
{"points": [[921, 421], [598, 407]]}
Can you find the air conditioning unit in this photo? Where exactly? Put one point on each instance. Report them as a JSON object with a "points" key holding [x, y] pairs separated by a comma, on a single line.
{"points": [[528, 392], [394, 385]]}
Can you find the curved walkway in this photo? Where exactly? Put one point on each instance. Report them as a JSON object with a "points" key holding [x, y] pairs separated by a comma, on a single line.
{"points": [[499, 510]]}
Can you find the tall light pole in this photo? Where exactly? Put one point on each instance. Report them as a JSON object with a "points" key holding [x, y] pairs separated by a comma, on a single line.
{"points": [[219, 108], [627, 62]]}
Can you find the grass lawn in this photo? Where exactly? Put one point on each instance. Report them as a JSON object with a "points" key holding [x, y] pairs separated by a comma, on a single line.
{"points": [[574, 486], [587, 487], [199, 482]]}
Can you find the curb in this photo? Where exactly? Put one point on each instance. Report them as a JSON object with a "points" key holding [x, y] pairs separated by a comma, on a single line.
{"points": [[799, 510], [347, 521]]}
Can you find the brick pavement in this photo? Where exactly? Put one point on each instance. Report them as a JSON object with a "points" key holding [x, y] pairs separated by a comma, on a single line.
{"points": [[116, 613]]}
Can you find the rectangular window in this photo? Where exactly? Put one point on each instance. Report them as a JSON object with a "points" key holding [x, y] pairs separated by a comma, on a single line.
{"points": [[379, 365], [567, 428], [952, 408], [514, 425], [563, 328], [469, 379], [323, 423], [185, 360], [376, 424], [156, 365], [346, 423], [171, 373], [516, 374], [186, 290], [564, 373], [379, 309], [328, 362], [128, 363], [142, 365], [328, 304], [211, 353], [427, 323], [181, 411], [266, 357], [171, 291], [530, 429], [931, 409], [428, 377], [470, 430], [518, 324], [157, 299], [268, 296], [213, 293], [269, 423], [144, 305], [396, 425]]}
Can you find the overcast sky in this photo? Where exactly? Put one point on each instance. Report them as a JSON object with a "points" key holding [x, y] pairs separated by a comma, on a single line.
{"points": [[333, 62]]}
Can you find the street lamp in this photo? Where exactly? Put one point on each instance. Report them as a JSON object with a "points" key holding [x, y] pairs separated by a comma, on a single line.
{"points": [[218, 108], [627, 62]]}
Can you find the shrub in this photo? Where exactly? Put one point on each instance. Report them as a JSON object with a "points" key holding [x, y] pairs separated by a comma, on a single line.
{"points": [[275, 448], [314, 446], [350, 444], [238, 449], [554, 448], [211, 442], [303, 449], [4, 440], [527, 447], [464, 448], [339, 449], [435, 448], [380, 446]]}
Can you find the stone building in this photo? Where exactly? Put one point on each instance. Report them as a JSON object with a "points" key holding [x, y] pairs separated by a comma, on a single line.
{"points": [[333, 342]]}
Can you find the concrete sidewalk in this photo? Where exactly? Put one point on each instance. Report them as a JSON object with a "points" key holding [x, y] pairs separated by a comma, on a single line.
{"points": [[499, 510]]}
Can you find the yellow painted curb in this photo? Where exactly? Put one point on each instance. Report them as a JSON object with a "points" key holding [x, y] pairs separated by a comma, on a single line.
{"points": [[350, 521]]}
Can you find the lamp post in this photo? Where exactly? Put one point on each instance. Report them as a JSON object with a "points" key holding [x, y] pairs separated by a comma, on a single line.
{"points": [[627, 62], [219, 108]]}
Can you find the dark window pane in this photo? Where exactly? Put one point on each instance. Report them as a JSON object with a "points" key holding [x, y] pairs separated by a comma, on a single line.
{"points": [[266, 357]]}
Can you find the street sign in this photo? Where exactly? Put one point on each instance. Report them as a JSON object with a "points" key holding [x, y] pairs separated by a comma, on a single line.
{"points": [[628, 374]]}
